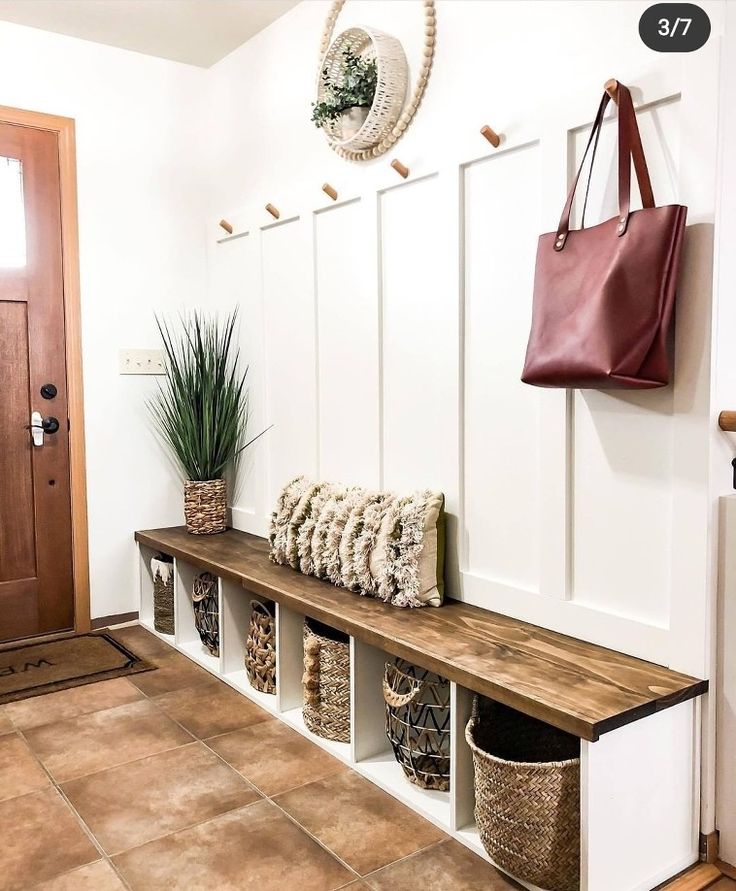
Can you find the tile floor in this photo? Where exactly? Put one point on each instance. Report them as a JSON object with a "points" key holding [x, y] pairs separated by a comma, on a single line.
{"points": [[171, 780]]}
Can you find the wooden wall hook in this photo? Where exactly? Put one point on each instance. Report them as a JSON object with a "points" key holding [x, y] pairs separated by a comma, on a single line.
{"points": [[273, 211], [400, 168], [226, 226], [328, 190], [611, 87], [727, 421], [491, 136]]}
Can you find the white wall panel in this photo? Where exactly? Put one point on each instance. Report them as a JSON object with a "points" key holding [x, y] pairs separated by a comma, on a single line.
{"points": [[420, 340], [235, 279], [348, 354], [291, 406], [503, 437], [623, 443]]}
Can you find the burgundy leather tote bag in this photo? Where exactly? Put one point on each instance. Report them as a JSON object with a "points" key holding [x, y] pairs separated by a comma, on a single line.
{"points": [[604, 296]]}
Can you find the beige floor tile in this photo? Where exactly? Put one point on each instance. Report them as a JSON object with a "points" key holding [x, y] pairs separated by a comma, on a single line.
{"points": [[65, 704], [20, 772], [364, 826], [6, 725], [174, 672], [211, 708], [98, 876], [141, 642], [132, 804], [41, 839], [448, 866], [100, 740], [274, 757], [254, 849]]}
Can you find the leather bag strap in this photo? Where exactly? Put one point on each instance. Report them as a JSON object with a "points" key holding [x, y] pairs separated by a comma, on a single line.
{"points": [[629, 147]]}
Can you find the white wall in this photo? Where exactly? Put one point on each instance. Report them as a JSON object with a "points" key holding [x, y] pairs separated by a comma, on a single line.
{"points": [[140, 156], [395, 320]]}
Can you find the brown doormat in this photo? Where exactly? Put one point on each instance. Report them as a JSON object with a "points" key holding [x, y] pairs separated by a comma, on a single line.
{"points": [[35, 669]]}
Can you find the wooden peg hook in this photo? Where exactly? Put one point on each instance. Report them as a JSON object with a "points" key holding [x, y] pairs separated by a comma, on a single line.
{"points": [[611, 87], [273, 211], [226, 226], [400, 168], [491, 136], [328, 190]]}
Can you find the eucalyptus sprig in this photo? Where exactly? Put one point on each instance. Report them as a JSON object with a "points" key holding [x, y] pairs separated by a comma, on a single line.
{"points": [[355, 85], [201, 408]]}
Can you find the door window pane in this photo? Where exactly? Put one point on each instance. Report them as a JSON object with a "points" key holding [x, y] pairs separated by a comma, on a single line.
{"points": [[12, 214]]}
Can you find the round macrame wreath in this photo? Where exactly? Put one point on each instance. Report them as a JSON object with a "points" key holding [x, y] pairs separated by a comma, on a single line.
{"points": [[405, 117]]}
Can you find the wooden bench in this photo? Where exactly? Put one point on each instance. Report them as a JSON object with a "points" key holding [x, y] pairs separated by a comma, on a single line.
{"points": [[584, 689]]}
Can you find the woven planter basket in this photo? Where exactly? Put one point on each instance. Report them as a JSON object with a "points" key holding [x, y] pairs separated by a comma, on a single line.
{"points": [[205, 506], [527, 795], [418, 723], [388, 100], [162, 569], [326, 681], [206, 611], [260, 648]]}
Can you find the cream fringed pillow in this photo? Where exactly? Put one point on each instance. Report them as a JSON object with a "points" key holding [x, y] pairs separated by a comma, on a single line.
{"points": [[375, 543]]}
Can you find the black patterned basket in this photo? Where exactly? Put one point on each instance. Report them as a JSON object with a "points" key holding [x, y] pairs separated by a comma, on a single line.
{"points": [[260, 647], [162, 569], [206, 611], [418, 723]]}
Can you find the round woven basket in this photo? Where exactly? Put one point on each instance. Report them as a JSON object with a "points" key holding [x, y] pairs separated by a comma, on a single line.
{"points": [[390, 87], [326, 681], [162, 569], [206, 611], [260, 648], [418, 723], [205, 506], [527, 795]]}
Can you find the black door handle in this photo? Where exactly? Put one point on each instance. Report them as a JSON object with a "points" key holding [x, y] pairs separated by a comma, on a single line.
{"points": [[50, 424]]}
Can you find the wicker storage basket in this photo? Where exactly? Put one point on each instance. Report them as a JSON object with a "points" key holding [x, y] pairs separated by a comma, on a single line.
{"points": [[418, 723], [260, 648], [205, 506], [326, 681], [206, 611], [162, 569], [527, 795]]}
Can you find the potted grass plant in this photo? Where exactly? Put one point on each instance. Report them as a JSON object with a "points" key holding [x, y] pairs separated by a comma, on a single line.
{"points": [[201, 412]]}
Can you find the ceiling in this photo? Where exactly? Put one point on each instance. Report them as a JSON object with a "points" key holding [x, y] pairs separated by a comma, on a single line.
{"points": [[200, 32]]}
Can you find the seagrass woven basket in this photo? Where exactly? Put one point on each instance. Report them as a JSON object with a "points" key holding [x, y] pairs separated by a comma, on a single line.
{"points": [[205, 506], [162, 569], [418, 723], [527, 795], [206, 611], [260, 647], [326, 681]]}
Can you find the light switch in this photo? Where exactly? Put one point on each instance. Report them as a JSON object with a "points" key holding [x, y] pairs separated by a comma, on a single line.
{"points": [[142, 362]]}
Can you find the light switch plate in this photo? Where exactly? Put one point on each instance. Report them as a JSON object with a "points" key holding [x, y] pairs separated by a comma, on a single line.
{"points": [[142, 362]]}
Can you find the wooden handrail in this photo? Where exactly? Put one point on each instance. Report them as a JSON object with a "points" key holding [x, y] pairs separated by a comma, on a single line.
{"points": [[727, 421]]}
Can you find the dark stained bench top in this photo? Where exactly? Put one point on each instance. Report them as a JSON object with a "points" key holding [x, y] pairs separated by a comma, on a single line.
{"points": [[579, 687]]}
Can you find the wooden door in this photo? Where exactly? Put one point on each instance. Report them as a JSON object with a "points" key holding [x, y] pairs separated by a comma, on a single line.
{"points": [[36, 580]]}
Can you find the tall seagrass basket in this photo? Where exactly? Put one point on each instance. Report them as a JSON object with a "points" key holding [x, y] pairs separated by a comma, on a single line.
{"points": [[162, 569], [527, 795], [260, 647], [326, 681], [207, 611], [418, 723]]}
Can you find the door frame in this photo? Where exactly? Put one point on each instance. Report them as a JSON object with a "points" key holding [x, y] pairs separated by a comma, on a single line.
{"points": [[64, 128]]}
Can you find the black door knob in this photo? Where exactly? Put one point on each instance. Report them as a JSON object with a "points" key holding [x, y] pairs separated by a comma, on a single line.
{"points": [[48, 391], [50, 425]]}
